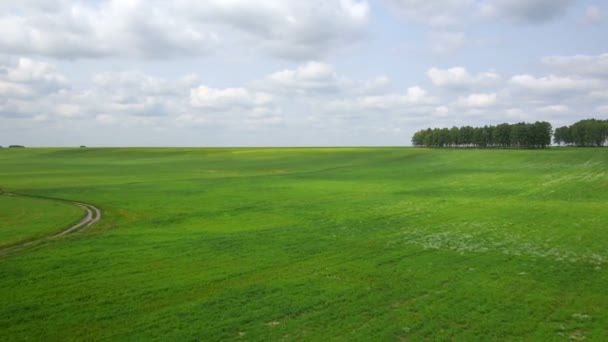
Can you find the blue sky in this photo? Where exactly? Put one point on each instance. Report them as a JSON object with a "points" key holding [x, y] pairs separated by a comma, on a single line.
{"points": [[292, 73]]}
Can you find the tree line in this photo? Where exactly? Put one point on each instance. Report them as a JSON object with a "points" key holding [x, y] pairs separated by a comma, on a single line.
{"points": [[590, 132], [519, 135]]}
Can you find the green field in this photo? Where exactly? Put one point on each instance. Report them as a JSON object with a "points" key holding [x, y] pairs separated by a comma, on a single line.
{"points": [[311, 244], [24, 219]]}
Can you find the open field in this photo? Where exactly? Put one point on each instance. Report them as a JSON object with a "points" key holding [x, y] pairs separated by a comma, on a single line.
{"points": [[26, 218], [309, 244]]}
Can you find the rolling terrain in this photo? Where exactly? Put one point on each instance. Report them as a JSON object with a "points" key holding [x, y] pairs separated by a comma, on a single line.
{"points": [[307, 244]]}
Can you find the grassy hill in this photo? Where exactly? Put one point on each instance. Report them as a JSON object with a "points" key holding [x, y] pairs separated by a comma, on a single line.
{"points": [[308, 244]]}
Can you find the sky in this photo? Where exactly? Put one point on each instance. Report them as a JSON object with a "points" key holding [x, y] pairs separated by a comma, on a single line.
{"points": [[292, 72]]}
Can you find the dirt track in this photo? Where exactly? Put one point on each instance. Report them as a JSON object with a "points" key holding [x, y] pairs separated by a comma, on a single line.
{"points": [[93, 215]]}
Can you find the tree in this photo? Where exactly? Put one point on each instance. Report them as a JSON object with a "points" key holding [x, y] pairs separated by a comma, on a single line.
{"points": [[539, 134], [562, 136], [502, 135], [590, 132], [454, 136], [519, 135]]}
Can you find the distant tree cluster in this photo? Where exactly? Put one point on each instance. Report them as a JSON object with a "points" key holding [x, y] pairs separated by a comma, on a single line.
{"points": [[590, 132], [519, 135]]}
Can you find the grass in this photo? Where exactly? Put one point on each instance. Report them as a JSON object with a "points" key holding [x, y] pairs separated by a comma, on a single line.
{"points": [[23, 219], [309, 244]]}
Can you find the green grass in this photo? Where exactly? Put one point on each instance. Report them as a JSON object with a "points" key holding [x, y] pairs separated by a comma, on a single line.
{"points": [[310, 244], [24, 219]]}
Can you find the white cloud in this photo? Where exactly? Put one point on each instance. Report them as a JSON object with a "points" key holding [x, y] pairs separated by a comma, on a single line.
{"points": [[126, 83], [109, 28], [459, 77], [579, 65], [24, 83], [413, 96], [226, 99], [478, 100], [288, 28], [29, 71], [237, 106], [30, 88], [555, 109], [164, 29], [315, 78], [312, 76], [13, 89], [552, 85], [435, 13], [415, 101], [131, 93], [28, 78]]}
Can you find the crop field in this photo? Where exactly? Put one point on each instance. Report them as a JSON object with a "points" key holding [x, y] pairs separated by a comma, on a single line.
{"points": [[24, 219], [298, 244]]}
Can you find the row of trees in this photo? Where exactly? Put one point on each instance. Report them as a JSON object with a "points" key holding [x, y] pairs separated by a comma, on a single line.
{"points": [[589, 132], [519, 135]]}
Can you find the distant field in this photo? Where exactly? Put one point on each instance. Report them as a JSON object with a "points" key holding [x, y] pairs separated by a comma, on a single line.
{"points": [[310, 244]]}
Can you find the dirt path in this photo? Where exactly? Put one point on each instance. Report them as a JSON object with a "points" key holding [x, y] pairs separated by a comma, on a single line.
{"points": [[92, 216]]}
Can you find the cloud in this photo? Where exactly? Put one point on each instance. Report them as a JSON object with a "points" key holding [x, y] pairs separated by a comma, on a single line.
{"points": [[312, 76], [47, 6], [579, 65], [415, 101], [478, 100], [434, 13], [130, 98], [315, 78], [552, 85], [24, 83], [413, 96], [105, 29], [443, 13], [526, 11], [555, 109], [460, 78], [132, 93], [168, 29], [288, 28], [227, 98], [31, 88], [237, 106], [28, 78]]}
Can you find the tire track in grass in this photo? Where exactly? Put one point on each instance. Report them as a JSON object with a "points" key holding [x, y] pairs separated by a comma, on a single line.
{"points": [[92, 216]]}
